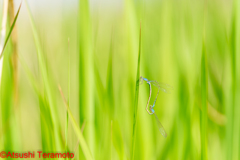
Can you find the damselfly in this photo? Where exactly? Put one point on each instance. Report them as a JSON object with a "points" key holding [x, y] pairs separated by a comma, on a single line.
{"points": [[163, 87]]}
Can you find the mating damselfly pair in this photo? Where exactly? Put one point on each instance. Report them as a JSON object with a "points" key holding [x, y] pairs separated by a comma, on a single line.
{"points": [[163, 87]]}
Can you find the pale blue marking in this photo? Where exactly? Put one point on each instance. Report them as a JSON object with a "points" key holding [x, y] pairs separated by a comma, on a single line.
{"points": [[152, 110]]}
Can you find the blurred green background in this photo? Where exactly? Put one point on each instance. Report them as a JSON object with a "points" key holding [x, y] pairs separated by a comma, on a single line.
{"points": [[91, 50]]}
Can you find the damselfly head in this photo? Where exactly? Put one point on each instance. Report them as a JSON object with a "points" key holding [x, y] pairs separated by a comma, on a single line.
{"points": [[151, 109], [140, 81]]}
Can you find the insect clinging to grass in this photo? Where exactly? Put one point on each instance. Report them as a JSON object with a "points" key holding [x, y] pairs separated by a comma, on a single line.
{"points": [[163, 87]]}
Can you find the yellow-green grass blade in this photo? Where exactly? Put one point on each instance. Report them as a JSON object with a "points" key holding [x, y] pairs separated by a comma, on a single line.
{"points": [[237, 94], [45, 117], [46, 81], [69, 87], [109, 82], [10, 31], [7, 92], [6, 100], [135, 109], [230, 107], [101, 109], [233, 127], [77, 130], [204, 97], [109, 105], [184, 121], [117, 139], [86, 73]]}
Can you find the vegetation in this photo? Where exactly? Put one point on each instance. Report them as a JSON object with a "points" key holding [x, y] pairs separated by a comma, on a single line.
{"points": [[70, 78]]}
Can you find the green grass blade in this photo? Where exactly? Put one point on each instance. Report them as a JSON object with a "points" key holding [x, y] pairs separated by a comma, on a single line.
{"points": [[6, 101], [204, 90], [46, 81], [109, 89], [9, 124], [77, 130], [233, 140], [237, 100], [86, 73], [45, 117], [136, 98], [11, 29], [69, 85], [117, 139], [230, 110]]}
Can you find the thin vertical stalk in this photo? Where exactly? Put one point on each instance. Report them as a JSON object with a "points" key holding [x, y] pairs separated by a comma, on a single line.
{"points": [[69, 79], [3, 124], [136, 98], [14, 54], [47, 85], [238, 75], [231, 110], [204, 91], [3, 33], [77, 129], [109, 88], [6, 76], [86, 73], [204, 95], [234, 148]]}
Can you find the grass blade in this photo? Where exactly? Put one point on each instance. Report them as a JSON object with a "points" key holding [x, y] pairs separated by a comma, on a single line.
{"points": [[86, 74], [69, 85], [233, 140], [7, 87], [204, 117], [3, 32], [45, 117], [117, 139], [109, 89], [77, 130], [136, 98], [237, 94], [9, 33], [46, 81]]}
